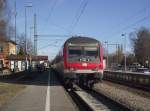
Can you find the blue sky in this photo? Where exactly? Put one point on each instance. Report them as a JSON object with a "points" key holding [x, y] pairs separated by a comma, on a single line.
{"points": [[104, 20]]}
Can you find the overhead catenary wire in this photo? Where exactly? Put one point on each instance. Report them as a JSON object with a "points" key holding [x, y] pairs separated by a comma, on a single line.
{"points": [[78, 15], [47, 46], [53, 35], [132, 16], [50, 13], [59, 27], [131, 25], [51, 39]]}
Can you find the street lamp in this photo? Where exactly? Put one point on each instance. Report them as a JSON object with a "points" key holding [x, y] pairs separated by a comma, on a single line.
{"points": [[125, 63], [107, 62], [26, 6], [117, 45], [15, 15]]}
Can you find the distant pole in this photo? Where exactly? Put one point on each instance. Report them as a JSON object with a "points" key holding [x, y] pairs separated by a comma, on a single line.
{"points": [[35, 35], [107, 61], [107, 56], [118, 53], [125, 58], [26, 40], [28, 6], [31, 33], [15, 13]]}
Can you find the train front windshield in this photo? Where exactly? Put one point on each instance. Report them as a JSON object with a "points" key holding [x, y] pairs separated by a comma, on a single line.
{"points": [[86, 54]]}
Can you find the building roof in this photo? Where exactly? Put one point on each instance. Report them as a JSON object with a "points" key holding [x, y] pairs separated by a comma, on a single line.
{"points": [[6, 40], [11, 41], [23, 57]]}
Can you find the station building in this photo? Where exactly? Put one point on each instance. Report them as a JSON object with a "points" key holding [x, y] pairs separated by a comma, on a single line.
{"points": [[19, 62], [10, 60]]}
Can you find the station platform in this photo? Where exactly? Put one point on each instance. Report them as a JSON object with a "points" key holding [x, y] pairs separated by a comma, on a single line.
{"points": [[43, 93], [59, 99]]}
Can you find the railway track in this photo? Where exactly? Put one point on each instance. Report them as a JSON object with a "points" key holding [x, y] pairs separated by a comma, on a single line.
{"points": [[136, 86], [89, 100], [133, 80]]}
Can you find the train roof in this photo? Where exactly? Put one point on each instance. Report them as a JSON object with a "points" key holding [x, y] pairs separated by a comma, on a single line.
{"points": [[82, 40]]}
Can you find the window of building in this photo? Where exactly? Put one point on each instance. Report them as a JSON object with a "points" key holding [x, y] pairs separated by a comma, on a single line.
{"points": [[1, 64], [1, 49]]}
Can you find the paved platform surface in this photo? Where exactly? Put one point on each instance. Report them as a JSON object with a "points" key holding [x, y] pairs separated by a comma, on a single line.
{"points": [[44, 93], [59, 99]]}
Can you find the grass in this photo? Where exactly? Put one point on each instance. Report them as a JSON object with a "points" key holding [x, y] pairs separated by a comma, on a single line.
{"points": [[9, 90]]}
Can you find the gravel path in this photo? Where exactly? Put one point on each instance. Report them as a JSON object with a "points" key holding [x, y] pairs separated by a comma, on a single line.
{"points": [[128, 98]]}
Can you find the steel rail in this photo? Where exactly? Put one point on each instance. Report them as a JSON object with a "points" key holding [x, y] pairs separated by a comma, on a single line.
{"points": [[93, 101]]}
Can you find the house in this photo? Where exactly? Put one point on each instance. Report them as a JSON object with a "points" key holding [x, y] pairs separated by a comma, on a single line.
{"points": [[7, 47], [10, 60]]}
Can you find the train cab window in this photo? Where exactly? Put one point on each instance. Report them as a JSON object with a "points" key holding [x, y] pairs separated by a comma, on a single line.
{"points": [[75, 51], [91, 51]]}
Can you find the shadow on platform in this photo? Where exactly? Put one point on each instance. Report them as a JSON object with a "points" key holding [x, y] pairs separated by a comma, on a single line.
{"points": [[39, 79]]}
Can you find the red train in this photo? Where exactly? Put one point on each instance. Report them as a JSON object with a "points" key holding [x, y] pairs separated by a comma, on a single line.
{"points": [[80, 60]]}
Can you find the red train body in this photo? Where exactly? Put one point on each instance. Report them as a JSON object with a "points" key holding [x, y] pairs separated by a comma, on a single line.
{"points": [[80, 60]]}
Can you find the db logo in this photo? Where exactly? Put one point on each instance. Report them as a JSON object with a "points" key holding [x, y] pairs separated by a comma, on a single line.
{"points": [[84, 64]]}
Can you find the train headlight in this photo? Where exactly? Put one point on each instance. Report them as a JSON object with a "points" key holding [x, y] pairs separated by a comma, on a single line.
{"points": [[84, 64], [72, 69]]}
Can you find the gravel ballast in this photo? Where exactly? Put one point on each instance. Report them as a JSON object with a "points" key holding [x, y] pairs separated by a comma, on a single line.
{"points": [[129, 99]]}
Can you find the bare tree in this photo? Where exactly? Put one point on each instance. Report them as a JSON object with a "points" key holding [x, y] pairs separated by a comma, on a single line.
{"points": [[141, 45], [3, 23], [130, 58], [22, 44], [119, 54]]}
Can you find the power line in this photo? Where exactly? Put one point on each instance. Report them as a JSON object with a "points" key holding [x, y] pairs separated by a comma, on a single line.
{"points": [[53, 35], [78, 15], [59, 27], [47, 46], [130, 17], [35, 35], [131, 25], [51, 39], [50, 13]]}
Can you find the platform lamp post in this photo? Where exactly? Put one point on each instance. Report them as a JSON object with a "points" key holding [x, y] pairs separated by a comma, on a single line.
{"points": [[15, 18], [26, 56], [125, 58], [107, 56], [108, 63]]}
